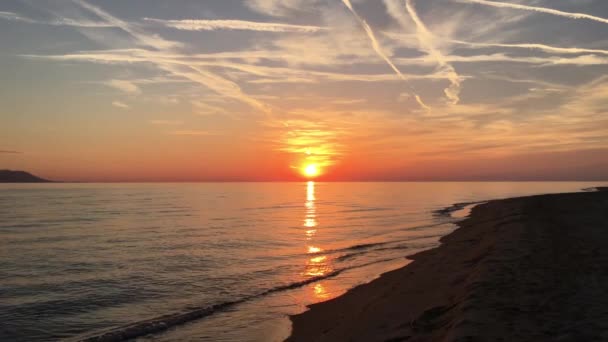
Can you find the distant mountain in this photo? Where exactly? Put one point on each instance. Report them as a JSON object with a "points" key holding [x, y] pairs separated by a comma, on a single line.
{"points": [[9, 176]]}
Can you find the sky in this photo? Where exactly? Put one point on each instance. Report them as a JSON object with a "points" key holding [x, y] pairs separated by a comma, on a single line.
{"points": [[259, 90]]}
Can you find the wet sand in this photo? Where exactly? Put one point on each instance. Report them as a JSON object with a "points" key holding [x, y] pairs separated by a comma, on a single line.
{"points": [[523, 269]]}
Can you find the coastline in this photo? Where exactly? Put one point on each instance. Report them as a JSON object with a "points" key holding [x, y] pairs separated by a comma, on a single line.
{"points": [[527, 268]]}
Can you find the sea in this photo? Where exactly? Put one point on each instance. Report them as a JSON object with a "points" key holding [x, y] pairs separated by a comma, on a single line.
{"points": [[210, 261]]}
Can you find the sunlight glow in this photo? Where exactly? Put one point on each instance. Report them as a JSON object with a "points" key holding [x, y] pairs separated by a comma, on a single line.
{"points": [[318, 259], [311, 170], [320, 291], [312, 249]]}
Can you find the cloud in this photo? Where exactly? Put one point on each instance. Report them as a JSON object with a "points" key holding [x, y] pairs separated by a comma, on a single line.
{"points": [[372, 38], [376, 45], [348, 101], [403, 97], [280, 7], [10, 152], [216, 83], [536, 9], [166, 122], [421, 103], [203, 108], [124, 85], [407, 41], [540, 105], [121, 105], [174, 66], [153, 41], [499, 57], [190, 67], [428, 44], [533, 46], [190, 132], [212, 25], [57, 22], [16, 17]]}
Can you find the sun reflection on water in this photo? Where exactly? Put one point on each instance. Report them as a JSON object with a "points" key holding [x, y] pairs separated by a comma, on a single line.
{"points": [[313, 249], [318, 259], [310, 219], [320, 291], [317, 264]]}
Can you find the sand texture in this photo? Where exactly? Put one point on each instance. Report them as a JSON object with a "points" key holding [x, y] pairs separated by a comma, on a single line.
{"points": [[523, 269]]}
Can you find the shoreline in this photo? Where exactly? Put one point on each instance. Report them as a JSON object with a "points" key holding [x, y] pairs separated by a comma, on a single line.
{"points": [[517, 269]]}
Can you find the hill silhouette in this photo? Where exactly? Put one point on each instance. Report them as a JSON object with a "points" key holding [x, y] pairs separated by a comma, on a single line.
{"points": [[10, 176]]}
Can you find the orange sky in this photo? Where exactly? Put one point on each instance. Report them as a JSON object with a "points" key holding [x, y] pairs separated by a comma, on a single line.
{"points": [[255, 91]]}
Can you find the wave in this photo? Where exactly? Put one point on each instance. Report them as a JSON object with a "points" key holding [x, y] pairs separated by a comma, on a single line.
{"points": [[359, 210], [389, 246], [165, 322], [375, 245], [447, 211], [363, 246]]}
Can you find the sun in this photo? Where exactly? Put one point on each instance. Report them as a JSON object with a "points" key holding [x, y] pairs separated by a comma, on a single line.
{"points": [[311, 170]]}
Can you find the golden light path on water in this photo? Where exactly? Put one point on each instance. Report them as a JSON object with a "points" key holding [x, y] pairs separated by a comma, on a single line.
{"points": [[317, 264]]}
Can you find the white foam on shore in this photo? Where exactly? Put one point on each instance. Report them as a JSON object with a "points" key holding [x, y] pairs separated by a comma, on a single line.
{"points": [[465, 211]]}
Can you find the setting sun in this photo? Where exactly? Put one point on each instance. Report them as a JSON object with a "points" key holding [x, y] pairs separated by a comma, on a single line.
{"points": [[311, 171]]}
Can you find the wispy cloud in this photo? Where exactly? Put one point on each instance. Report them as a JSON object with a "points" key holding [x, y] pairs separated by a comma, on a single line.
{"points": [[166, 122], [427, 40], [190, 67], [533, 46], [570, 15], [428, 44], [203, 108], [212, 25], [407, 40], [124, 85], [421, 103], [175, 67], [376, 46], [191, 132], [372, 37], [56, 22], [348, 101], [323, 76], [143, 38], [120, 104], [16, 17], [499, 57], [280, 7]]}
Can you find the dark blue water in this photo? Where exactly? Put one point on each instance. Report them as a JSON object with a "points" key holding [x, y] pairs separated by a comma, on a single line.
{"points": [[209, 261]]}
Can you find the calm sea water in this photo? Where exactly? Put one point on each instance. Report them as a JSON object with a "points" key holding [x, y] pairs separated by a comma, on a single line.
{"points": [[78, 260]]}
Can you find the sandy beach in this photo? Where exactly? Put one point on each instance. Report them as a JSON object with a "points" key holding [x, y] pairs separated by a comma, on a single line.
{"points": [[523, 269]]}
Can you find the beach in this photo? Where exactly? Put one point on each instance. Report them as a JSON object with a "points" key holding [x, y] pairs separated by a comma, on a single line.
{"points": [[521, 269]]}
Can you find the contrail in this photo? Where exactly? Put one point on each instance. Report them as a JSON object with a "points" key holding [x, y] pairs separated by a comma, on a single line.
{"points": [[426, 39], [534, 46], [372, 38], [570, 15], [528, 46], [212, 25], [419, 100], [208, 79], [377, 48]]}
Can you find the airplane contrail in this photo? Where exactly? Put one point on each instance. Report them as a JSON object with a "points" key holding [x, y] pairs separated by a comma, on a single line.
{"points": [[533, 46], [212, 25], [427, 41], [570, 15], [372, 38], [378, 49]]}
